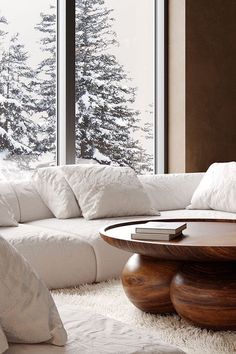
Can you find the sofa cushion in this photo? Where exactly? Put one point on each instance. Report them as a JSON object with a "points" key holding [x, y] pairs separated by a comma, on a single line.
{"points": [[60, 259], [27, 311], [107, 191], [171, 191], [110, 260], [217, 189], [31, 205], [9, 194], [56, 192]]}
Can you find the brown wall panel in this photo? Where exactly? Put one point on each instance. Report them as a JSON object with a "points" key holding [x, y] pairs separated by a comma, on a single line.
{"points": [[210, 82]]}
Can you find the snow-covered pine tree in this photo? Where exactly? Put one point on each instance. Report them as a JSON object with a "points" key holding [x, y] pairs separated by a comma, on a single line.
{"points": [[46, 86], [105, 119], [17, 129]]}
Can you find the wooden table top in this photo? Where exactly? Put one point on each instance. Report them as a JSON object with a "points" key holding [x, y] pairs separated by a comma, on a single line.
{"points": [[203, 240]]}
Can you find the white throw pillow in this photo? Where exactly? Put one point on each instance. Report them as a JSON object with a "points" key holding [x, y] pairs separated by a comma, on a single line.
{"points": [[27, 311], [3, 341], [217, 189], [106, 191], [56, 193], [6, 214]]}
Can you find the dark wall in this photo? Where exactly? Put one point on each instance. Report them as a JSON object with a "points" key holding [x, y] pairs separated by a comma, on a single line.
{"points": [[210, 82]]}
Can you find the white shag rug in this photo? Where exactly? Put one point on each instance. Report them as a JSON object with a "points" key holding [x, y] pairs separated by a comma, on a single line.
{"points": [[108, 299]]}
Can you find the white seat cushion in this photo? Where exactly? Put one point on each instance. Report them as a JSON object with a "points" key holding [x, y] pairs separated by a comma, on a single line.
{"points": [[110, 260], [90, 333], [60, 259]]}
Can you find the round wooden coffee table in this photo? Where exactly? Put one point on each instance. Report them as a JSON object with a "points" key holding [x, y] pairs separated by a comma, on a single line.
{"points": [[194, 275]]}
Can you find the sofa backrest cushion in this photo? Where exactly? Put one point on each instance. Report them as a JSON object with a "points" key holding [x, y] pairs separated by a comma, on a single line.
{"points": [[9, 195], [31, 205], [171, 191]]}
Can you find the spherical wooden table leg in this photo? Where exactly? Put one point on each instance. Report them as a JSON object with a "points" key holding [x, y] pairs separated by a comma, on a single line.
{"points": [[146, 282], [205, 294]]}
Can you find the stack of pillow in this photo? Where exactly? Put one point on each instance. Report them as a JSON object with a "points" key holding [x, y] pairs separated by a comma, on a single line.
{"points": [[92, 191]]}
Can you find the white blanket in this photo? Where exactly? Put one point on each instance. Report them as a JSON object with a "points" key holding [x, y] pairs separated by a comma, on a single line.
{"points": [[90, 333]]}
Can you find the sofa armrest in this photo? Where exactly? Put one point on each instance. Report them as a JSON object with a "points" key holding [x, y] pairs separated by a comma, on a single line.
{"points": [[171, 191]]}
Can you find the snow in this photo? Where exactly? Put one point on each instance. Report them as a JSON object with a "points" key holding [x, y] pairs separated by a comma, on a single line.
{"points": [[97, 155]]}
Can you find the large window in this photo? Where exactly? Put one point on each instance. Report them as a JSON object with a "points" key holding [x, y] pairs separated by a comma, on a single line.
{"points": [[115, 84]]}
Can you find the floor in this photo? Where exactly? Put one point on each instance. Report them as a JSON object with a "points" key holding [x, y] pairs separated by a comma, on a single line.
{"points": [[108, 298]]}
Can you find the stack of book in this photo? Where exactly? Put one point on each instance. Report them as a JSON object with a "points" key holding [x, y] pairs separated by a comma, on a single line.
{"points": [[158, 231]]}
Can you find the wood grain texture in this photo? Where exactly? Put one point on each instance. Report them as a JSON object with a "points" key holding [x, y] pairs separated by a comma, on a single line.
{"points": [[146, 282], [208, 240], [205, 294], [210, 83]]}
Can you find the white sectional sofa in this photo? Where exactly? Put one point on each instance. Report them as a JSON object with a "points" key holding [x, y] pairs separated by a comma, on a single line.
{"points": [[69, 252]]}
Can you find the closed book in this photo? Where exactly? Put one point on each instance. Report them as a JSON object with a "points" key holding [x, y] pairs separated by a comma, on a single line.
{"points": [[154, 227], [154, 237]]}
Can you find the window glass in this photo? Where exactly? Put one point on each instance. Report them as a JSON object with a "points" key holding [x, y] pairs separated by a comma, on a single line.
{"points": [[27, 85], [115, 82]]}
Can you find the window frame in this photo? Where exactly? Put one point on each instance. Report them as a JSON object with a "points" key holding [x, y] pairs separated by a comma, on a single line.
{"points": [[66, 84]]}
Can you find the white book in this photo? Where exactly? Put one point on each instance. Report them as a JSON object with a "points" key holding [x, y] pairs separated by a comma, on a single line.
{"points": [[162, 227], [154, 237]]}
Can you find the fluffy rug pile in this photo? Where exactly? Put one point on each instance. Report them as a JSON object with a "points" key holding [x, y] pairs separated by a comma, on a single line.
{"points": [[109, 299]]}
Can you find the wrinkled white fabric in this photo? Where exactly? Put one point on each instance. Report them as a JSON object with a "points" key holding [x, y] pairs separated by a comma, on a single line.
{"points": [[56, 192], [217, 189], [27, 311], [91, 333], [6, 214], [107, 191], [3, 341]]}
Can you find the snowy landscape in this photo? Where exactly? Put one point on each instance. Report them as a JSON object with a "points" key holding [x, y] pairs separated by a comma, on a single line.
{"points": [[109, 128]]}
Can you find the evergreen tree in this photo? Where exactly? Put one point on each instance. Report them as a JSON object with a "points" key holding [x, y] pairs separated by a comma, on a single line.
{"points": [[46, 86], [16, 103], [105, 119]]}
